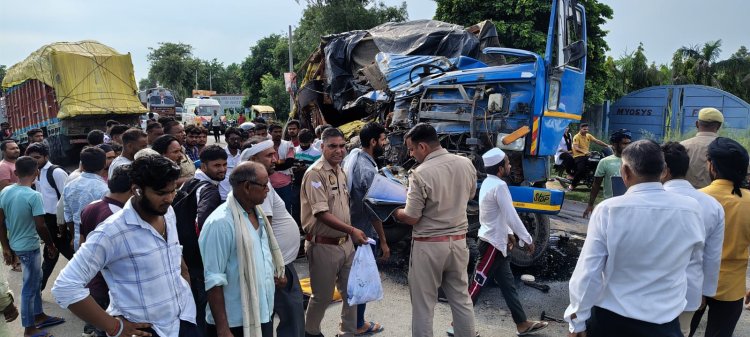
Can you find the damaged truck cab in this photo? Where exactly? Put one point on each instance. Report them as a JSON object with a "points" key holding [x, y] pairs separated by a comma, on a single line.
{"points": [[477, 94], [521, 105]]}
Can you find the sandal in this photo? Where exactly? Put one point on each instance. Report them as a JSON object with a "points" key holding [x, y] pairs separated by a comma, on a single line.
{"points": [[50, 321], [534, 328], [42, 334], [371, 330]]}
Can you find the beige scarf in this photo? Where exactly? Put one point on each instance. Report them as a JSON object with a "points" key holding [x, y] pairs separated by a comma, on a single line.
{"points": [[250, 302]]}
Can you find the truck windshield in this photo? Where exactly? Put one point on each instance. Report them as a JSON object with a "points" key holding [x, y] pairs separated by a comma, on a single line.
{"points": [[208, 110], [161, 100]]}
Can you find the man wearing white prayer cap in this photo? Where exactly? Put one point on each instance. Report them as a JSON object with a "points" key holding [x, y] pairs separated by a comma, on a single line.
{"points": [[499, 221], [287, 300]]}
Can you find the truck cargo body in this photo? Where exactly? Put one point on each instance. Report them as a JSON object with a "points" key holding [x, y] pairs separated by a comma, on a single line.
{"points": [[68, 89], [34, 104]]}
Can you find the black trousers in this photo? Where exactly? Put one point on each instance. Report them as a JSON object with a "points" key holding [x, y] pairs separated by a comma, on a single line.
{"points": [[722, 317], [266, 330], [187, 329], [605, 323], [493, 265], [581, 168], [62, 242], [568, 163], [217, 133], [197, 285]]}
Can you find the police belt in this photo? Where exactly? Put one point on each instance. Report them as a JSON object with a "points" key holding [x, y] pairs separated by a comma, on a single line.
{"points": [[326, 240], [443, 238]]}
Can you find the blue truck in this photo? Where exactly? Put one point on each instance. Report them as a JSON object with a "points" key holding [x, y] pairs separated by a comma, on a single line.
{"points": [[477, 94]]}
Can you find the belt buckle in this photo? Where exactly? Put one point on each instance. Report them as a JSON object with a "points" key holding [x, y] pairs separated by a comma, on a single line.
{"points": [[342, 240]]}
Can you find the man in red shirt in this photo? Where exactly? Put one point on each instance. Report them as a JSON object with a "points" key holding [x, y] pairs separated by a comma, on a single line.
{"points": [[94, 214]]}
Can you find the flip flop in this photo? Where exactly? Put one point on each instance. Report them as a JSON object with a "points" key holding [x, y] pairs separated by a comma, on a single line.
{"points": [[373, 329], [534, 328], [50, 321], [42, 334]]}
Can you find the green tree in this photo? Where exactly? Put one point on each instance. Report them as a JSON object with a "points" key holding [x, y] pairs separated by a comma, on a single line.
{"points": [[267, 56], [523, 24], [733, 74], [172, 66], [694, 64], [3, 70], [273, 93], [325, 17], [233, 79], [146, 83]]}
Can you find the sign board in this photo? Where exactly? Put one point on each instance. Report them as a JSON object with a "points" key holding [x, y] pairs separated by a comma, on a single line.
{"points": [[290, 82], [229, 101], [198, 93]]}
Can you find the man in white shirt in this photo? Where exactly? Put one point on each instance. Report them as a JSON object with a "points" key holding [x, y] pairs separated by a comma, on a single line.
{"points": [[133, 141], [631, 276], [50, 183], [288, 301], [499, 222], [702, 279]]}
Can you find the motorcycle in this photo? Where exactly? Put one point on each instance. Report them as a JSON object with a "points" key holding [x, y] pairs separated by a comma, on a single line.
{"points": [[588, 180]]}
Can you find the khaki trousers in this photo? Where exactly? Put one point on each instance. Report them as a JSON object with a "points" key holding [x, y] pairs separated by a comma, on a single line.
{"points": [[329, 267], [685, 318], [436, 264]]}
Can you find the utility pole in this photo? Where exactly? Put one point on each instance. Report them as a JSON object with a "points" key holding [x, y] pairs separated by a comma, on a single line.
{"points": [[291, 70], [210, 85], [196, 79]]}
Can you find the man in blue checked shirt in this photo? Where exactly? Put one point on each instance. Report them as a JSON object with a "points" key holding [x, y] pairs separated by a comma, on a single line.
{"points": [[85, 189], [138, 253]]}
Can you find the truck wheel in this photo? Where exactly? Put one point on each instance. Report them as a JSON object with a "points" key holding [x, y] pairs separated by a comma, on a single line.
{"points": [[538, 227]]}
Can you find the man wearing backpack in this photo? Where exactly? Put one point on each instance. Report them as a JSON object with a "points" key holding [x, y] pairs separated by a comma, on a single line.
{"points": [[50, 184], [195, 201]]}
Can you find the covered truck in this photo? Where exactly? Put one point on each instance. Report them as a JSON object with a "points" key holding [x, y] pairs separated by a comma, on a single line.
{"points": [[475, 92], [68, 89]]}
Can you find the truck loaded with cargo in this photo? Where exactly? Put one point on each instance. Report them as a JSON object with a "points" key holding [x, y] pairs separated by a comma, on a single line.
{"points": [[68, 89], [476, 93]]}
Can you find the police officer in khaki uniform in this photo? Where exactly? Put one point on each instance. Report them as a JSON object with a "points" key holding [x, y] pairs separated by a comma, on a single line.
{"points": [[708, 124], [439, 190], [329, 247]]}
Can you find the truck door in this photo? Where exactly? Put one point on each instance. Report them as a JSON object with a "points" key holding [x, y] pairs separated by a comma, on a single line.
{"points": [[565, 58]]}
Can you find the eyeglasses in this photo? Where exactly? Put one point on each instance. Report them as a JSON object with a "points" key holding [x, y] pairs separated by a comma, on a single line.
{"points": [[257, 184]]}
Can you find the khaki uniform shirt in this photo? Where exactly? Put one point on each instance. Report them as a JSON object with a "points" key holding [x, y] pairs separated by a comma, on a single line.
{"points": [[697, 149], [324, 190], [187, 167], [439, 190]]}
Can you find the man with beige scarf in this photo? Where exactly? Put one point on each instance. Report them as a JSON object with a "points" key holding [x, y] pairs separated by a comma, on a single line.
{"points": [[241, 259]]}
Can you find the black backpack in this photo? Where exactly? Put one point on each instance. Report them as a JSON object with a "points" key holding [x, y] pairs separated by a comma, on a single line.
{"points": [[185, 206], [51, 179]]}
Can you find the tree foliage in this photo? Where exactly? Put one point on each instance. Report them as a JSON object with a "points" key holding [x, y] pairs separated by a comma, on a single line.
{"points": [[523, 24], [273, 93], [267, 56], [325, 17], [3, 70]]}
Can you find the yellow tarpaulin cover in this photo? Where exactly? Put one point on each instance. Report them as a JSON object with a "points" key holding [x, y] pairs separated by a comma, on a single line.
{"points": [[352, 128], [89, 78], [307, 289]]}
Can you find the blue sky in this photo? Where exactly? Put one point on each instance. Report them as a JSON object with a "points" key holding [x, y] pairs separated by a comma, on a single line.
{"points": [[225, 29]]}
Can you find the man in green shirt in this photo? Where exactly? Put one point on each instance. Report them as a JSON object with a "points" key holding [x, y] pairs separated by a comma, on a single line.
{"points": [[608, 167]]}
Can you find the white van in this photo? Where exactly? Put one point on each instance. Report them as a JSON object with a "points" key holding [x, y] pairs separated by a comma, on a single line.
{"points": [[202, 109]]}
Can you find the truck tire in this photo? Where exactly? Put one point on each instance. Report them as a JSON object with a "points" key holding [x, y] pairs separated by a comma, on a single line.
{"points": [[538, 227]]}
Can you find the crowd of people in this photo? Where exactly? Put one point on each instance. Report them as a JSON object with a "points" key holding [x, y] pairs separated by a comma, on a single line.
{"points": [[168, 236]]}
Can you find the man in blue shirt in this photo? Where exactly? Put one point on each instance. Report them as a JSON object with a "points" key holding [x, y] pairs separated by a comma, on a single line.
{"points": [[87, 188], [360, 168], [21, 226], [227, 247]]}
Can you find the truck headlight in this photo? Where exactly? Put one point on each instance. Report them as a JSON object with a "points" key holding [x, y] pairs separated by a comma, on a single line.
{"points": [[554, 95]]}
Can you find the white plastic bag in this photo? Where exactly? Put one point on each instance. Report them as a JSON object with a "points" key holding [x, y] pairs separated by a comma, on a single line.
{"points": [[364, 279]]}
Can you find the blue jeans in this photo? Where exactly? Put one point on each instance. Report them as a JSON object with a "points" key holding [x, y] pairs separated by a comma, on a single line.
{"points": [[31, 294]]}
